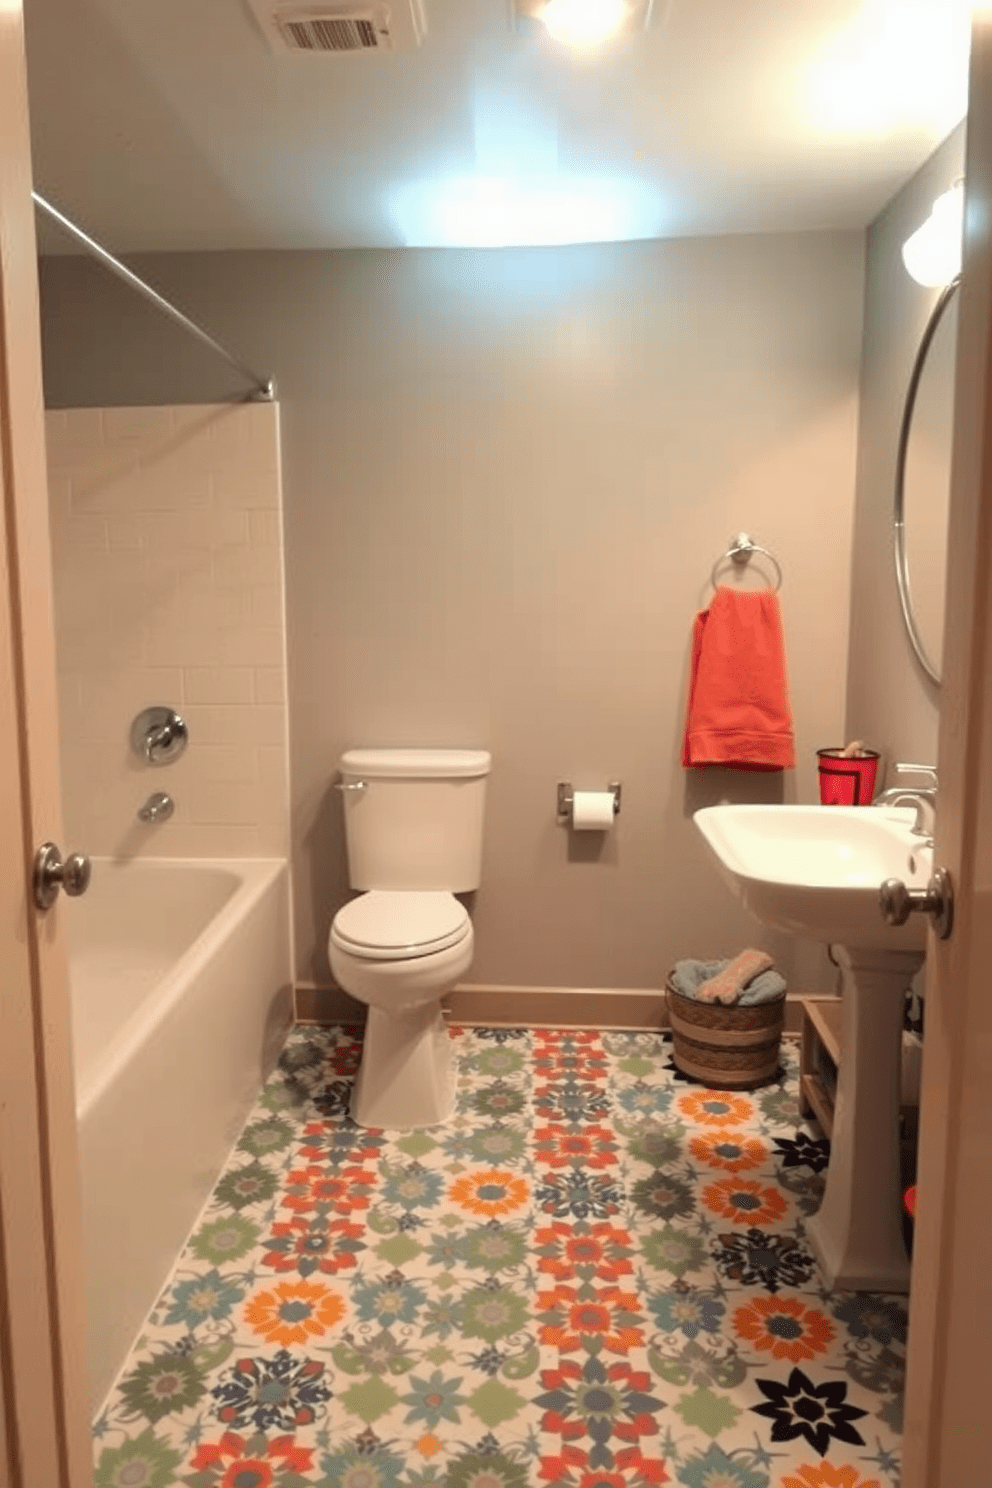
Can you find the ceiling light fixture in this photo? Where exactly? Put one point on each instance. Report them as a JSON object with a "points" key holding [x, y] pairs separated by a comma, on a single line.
{"points": [[584, 22], [932, 254], [525, 212]]}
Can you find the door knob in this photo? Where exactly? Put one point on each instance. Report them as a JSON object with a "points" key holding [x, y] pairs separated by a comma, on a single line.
{"points": [[51, 874], [897, 902]]}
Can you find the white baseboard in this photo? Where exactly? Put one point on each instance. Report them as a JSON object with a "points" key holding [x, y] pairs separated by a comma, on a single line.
{"points": [[494, 1006]]}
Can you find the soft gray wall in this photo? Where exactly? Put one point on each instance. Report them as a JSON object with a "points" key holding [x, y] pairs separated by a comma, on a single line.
{"points": [[890, 701], [507, 477]]}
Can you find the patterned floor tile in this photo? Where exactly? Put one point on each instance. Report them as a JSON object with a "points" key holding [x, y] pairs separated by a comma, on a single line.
{"points": [[594, 1275]]}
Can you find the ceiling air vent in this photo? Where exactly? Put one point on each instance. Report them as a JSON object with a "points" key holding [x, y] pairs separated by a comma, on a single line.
{"points": [[330, 34], [317, 28]]}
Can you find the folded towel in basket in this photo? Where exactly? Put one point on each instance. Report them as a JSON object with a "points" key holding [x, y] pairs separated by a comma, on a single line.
{"points": [[688, 976]]}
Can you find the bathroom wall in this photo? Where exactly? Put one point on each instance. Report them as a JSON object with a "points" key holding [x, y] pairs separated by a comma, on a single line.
{"points": [[507, 478], [168, 586], [890, 701]]}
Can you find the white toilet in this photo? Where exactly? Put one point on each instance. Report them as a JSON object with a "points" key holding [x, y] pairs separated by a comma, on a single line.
{"points": [[413, 826]]}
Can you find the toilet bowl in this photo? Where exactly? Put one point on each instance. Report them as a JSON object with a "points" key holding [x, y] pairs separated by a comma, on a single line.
{"points": [[413, 832], [399, 952]]}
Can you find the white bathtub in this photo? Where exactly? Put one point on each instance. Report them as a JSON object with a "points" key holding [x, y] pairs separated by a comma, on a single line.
{"points": [[181, 992]]}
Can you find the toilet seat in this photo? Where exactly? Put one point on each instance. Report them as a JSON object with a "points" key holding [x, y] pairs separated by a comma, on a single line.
{"points": [[400, 925]]}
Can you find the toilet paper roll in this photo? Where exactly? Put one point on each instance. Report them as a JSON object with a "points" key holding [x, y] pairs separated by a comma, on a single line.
{"points": [[592, 811]]}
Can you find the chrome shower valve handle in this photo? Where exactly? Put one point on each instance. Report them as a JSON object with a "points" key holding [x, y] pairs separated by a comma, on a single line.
{"points": [[159, 735]]}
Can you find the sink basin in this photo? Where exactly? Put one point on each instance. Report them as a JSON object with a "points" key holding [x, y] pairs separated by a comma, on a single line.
{"points": [[816, 870]]}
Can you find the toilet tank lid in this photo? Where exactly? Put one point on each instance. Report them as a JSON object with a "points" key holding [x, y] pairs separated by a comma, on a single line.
{"points": [[411, 764]]}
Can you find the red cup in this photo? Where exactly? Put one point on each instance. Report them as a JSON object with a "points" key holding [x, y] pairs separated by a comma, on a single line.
{"points": [[847, 781]]}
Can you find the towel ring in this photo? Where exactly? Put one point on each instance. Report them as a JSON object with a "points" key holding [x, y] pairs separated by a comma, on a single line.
{"points": [[740, 550]]}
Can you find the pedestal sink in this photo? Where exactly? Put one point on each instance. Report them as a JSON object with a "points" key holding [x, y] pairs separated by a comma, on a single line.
{"points": [[816, 871]]}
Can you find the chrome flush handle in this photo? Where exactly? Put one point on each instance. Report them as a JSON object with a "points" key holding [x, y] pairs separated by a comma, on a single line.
{"points": [[51, 874]]}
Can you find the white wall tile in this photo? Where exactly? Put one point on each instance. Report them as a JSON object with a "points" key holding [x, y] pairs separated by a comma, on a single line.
{"points": [[142, 424], [266, 606], [221, 685], [230, 725], [265, 528], [167, 549], [270, 685], [252, 565], [223, 801]]}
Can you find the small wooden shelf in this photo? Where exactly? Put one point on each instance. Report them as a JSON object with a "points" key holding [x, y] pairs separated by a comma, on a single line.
{"points": [[819, 1061], [816, 1100]]}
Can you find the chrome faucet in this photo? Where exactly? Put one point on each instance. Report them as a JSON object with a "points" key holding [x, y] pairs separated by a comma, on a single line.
{"points": [[158, 808], [922, 797]]}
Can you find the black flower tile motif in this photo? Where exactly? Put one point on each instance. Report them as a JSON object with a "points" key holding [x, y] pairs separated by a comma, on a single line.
{"points": [[819, 1413], [802, 1151], [579, 1195], [882, 1319], [280, 1393], [334, 1098], [757, 1259], [571, 1101]]}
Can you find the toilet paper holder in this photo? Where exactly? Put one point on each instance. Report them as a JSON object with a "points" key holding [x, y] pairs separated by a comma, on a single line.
{"points": [[566, 798]]}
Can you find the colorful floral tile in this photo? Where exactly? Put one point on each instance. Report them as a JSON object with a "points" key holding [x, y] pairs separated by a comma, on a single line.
{"points": [[594, 1275]]}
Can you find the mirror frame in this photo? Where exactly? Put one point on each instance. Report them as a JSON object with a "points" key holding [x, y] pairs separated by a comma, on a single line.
{"points": [[899, 504]]}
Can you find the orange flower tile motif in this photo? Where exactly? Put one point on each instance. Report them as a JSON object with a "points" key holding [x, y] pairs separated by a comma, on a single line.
{"points": [[490, 1193], [732, 1151], [744, 1201], [573, 1321], [569, 1064], [601, 1252], [825, 1476], [784, 1327], [341, 1190], [228, 1455], [305, 1245], [558, 1146], [572, 1039], [293, 1311], [716, 1107]]}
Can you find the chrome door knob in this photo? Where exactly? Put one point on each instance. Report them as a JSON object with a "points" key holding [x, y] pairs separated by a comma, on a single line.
{"points": [[897, 902], [51, 874]]}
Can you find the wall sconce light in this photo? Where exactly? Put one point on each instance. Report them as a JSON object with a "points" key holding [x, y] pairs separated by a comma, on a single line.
{"points": [[933, 253]]}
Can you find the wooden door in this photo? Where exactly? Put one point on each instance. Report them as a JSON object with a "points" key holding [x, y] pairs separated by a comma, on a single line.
{"points": [[44, 1431], [947, 1404]]}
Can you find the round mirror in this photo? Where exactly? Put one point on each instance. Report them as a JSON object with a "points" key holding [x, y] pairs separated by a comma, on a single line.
{"points": [[923, 484]]}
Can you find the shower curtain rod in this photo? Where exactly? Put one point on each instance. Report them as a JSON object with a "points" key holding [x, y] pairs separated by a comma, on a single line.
{"points": [[264, 388]]}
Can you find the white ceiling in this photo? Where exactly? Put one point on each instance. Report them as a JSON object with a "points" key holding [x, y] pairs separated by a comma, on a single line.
{"points": [[169, 124]]}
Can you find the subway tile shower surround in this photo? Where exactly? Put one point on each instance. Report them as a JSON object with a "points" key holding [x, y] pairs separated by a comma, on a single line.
{"points": [[595, 1275], [167, 550]]}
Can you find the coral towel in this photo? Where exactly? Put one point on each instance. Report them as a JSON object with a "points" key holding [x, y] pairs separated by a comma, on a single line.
{"points": [[738, 713]]}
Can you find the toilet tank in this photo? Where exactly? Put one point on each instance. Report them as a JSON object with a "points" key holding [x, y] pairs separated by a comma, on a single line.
{"points": [[417, 824]]}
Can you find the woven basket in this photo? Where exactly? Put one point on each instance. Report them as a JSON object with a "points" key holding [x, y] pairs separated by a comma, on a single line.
{"points": [[726, 1048]]}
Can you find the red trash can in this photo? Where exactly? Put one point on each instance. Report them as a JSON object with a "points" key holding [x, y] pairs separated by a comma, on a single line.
{"points": [[847, 780]]}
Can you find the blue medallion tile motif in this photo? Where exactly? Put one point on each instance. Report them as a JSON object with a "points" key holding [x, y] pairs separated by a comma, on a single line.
{"points": [[594, 1275]]}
